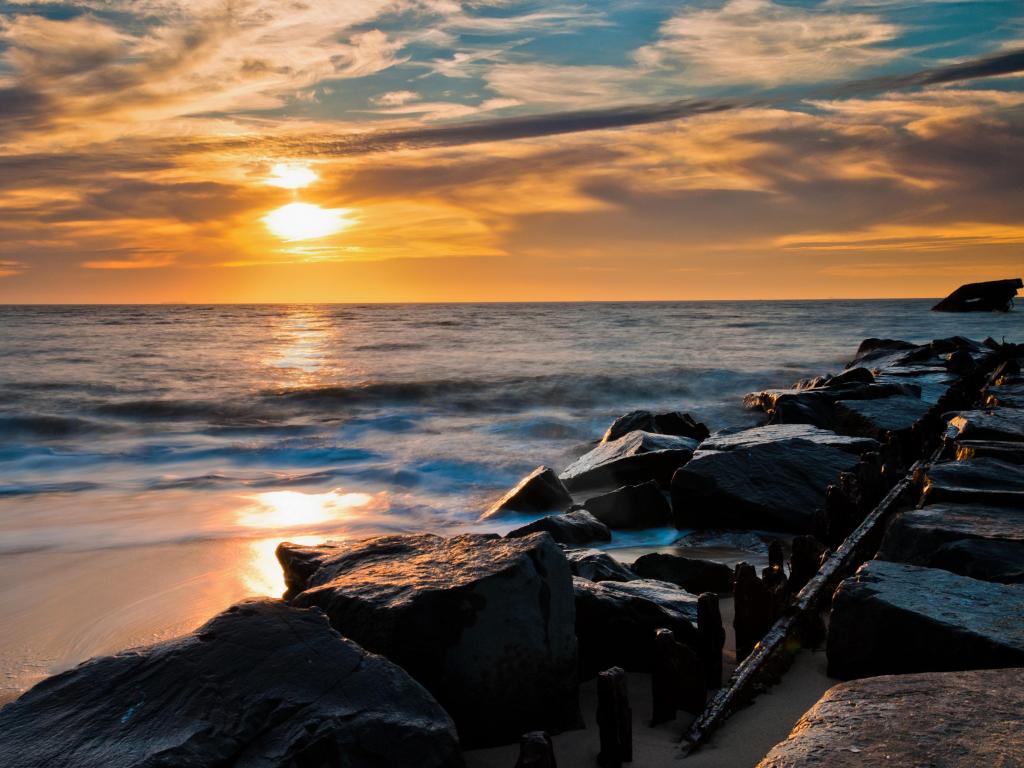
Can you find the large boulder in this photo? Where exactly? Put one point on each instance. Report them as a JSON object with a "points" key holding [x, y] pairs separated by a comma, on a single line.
{"points": [[1005, 424], [538, 492], [971, 540], [632, 459], [990, 449], [976, 481], [485, 624], [616, 621], [893, 618], [935, 719], [575, 527], [632, 506], [595, 565], [778, 486], [262, 685], [773, 433], [815, 404], [691, 574], [671, 423], [879, 417]]}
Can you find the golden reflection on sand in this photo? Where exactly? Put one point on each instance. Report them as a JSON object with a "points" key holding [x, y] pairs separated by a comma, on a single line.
{"points": [[261, 574]]}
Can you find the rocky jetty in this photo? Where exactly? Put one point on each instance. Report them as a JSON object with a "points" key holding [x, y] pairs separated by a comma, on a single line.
{"points": [[486, 624], [953, 719], [634, 458], [262, 685], [540, 491], [575, 527], [672, 423], [595, 565], [691, 574], [632, 506]]}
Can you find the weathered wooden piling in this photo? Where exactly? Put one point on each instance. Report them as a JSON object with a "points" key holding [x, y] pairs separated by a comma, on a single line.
{"points": [[753, 610], [804, 561], [614, 719], [677, 678], [711, 633], [536, 750]]}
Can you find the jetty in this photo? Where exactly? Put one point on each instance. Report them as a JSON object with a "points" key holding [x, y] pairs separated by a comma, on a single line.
{"points": [[875, 518]]}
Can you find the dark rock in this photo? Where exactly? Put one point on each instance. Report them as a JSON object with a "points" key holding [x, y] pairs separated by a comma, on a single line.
{"points": [[262, 684], [575, 527], [978, 481], [990, 449], [615, 621], [939, 719], [1009, 395], [614, 719], [694, 576], [678, 680], [773, 433], [977, 541], [671, 423], [874, 351], [773, 486], [632, 506], [753, 610], [991, 296], [892, 618], [726, 546], [485, 624], [540, 491], [816, 405], [877, 418], [536, 750], [680, 425], [1006, 424], [634, 458], [595, 565], [849, 376]]}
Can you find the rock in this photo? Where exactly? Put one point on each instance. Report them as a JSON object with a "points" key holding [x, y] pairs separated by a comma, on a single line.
{"points": [[725, 546], [977, 541], [595, 565], [892, 618], [634, 458], [694, 576], [575, 527], [877, 418], [991, 296], [849, 376], [615, 621], [485, 624], [936, 719], [1006, 424], [816, 405], [671, 423], [776, 486], [978, 481], [536, 750], [772, 433], [1009, 395], [873, 352], [259, 685], [632, 506], [540, 491], [990, 449]]}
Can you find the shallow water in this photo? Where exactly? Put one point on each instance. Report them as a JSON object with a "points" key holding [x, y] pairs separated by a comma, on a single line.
{"points": [[152, 457]]}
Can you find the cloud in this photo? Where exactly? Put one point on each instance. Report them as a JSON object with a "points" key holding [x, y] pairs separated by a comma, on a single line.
{"points": [[394, 98], [10, 267], [767, 43], [540, 83]]}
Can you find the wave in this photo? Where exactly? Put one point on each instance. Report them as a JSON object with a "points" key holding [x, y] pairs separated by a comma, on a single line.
{"points": [[184, 410], [32, 489], [46, 426]]}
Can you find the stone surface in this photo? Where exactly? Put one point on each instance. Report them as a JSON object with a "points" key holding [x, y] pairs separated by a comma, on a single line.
{"points": [[485, 624], [632, 506], [976, 481], [540, 491], [771, 433], [999, 424], [615, 621], [634, 458], [816, 404], [971, 540], [951, 719], [595, 565], [671, 423], [693, 575], [875, 418], [575, 527], [776, 486], [893, 618], [262, 685], [990, 449], [1008, 395]]}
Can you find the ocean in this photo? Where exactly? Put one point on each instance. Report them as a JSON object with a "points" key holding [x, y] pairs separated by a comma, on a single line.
{"points": [[151, 457]]}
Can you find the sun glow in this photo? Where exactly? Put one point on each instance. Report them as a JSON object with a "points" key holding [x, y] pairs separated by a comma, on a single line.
{"points": [[291, 176], [305, 221], [291, 509]]}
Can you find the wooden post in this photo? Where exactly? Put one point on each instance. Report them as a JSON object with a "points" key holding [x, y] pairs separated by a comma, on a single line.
{"points": [[804, 562], [678, 679], [614, 719], [753, 609], [712, 638], [536, 751]]}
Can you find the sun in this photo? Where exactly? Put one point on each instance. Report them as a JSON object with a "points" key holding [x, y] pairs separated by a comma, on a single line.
{"points": [[305, 221], [291, 176]]}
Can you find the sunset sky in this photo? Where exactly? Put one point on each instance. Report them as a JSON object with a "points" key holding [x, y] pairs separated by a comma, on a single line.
{"points": [[421, 150]]}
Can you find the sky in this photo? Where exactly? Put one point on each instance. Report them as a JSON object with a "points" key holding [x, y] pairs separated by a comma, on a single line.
{"points": [[437, 150]]}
